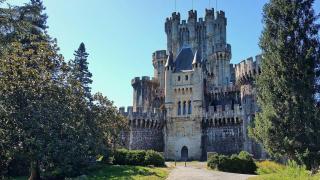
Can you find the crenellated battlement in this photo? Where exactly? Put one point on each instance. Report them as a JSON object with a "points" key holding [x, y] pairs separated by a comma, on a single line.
{"points": [[247, 69], [217, 116], [193, 17], [224, 89], [137, 80], [160, 54]]}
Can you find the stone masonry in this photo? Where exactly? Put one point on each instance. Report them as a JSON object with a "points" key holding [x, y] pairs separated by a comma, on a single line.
{"points": [[197, 102]]}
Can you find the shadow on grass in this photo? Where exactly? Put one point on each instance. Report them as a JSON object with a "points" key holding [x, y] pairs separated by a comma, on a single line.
{"points": [[123, 172]]}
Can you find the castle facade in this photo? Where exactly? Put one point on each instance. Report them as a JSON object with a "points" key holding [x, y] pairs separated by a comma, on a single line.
{"points": [[197, 102]]}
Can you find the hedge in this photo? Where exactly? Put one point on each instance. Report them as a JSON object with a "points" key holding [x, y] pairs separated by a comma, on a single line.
{"points": [[241, 163], [138, 157]]}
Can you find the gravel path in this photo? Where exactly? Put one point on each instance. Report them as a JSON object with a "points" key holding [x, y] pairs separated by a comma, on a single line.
{"points": [[201, 173]]}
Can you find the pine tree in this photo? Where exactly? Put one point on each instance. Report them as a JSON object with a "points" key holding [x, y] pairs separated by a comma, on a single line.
{"points": [[289, 122], [80, 70]]}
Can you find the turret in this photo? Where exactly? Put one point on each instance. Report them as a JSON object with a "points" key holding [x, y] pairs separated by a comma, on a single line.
{"points": [[197, 82], [220, 28], [192, 22], [158, 60], [209, 20]]}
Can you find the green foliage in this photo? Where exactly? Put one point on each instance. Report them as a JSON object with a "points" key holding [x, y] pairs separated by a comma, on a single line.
{"points": [[289, 122], [42, 117], [154, 158], [242, 163], [17, 166], [138, 157], [80, 70], [268, 167], [213, 160], [291, 171]]}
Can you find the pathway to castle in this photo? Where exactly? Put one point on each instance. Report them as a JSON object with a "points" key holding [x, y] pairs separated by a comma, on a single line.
{"points": [[198, 171]]}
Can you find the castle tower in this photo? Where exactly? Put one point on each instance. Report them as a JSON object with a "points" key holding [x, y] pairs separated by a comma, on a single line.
{"points": [[219, 54], [197, 81], [144, 91], [159, 59]]}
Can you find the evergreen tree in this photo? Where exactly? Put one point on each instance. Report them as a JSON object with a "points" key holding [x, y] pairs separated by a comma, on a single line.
{"points": [[289, 122], [80, 71]]}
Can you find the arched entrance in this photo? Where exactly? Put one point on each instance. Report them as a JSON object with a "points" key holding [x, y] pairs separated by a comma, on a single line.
{"points": [[184, 153]]}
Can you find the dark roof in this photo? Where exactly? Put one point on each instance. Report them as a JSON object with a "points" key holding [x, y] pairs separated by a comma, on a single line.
{"points": [[169, 60], [184, 59]]}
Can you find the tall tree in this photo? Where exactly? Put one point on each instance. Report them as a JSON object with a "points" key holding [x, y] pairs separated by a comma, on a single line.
{"points": [[80, 70], [289, 122]]}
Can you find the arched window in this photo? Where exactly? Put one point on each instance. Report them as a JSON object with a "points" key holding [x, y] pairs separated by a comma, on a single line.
{"points": [[184, 107], [189, 107], [179, 108]]}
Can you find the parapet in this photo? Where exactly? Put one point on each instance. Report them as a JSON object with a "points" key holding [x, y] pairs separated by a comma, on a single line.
{"points": [[247, 69], [220, 14], [217, 116], [219, 47], [139, 80], [160, 54], [192, 15], [209, 14]]}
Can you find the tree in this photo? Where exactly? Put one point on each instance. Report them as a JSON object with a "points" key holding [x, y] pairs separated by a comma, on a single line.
{"points": [[80, 71], [289, 122]]}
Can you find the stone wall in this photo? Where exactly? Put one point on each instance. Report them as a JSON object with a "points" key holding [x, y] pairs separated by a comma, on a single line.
{"points": [[223, 140], [146, 138]]}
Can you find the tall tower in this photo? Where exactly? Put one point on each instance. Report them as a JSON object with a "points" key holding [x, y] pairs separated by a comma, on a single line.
{"points": [[218, 51], [159, 59]]}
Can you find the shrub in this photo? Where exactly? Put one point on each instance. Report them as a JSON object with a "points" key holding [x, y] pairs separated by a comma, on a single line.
{"points": [[137, 157], [120, 157], [242, 163], [213, 160], [154, 158]]}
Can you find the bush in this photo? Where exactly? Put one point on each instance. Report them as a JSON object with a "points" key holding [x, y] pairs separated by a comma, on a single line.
{"points": [[154, 158], [242, 163], [213, 160], [138, 157], [120, 157]]}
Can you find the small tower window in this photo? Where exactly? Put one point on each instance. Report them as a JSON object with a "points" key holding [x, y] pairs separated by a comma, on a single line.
{"points": [[189, 107], [186, 77], [184, 107], [179, 108], [178, 78]]}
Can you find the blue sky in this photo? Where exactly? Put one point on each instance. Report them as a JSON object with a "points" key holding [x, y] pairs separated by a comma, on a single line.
{"points": [[121, 35]]}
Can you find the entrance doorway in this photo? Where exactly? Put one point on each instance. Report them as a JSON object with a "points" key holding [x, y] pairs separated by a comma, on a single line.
{"points": [[184, 153]]}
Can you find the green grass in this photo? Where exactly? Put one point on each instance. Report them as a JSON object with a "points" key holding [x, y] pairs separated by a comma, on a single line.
{"points": [[124, 172], [129, 172], [269, 170]]}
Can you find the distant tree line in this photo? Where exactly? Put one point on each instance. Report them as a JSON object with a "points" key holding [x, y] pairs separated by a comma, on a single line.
{"points": [[48, 114]]}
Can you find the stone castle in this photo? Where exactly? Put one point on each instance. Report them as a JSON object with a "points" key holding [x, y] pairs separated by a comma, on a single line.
{"points": [[197, 102]]}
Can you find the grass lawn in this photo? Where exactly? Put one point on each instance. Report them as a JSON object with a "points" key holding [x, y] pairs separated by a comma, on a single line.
{"points": [[124, 172], [129, 172]]}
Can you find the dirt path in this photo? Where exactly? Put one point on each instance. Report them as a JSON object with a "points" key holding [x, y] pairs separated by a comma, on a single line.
{"points": [[198, 171]]}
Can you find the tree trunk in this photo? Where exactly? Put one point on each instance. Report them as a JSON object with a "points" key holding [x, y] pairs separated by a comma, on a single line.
{"points": [[35, 172]]}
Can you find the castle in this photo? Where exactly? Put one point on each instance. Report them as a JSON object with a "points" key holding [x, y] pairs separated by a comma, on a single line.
{"points": [[197, 102]]}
